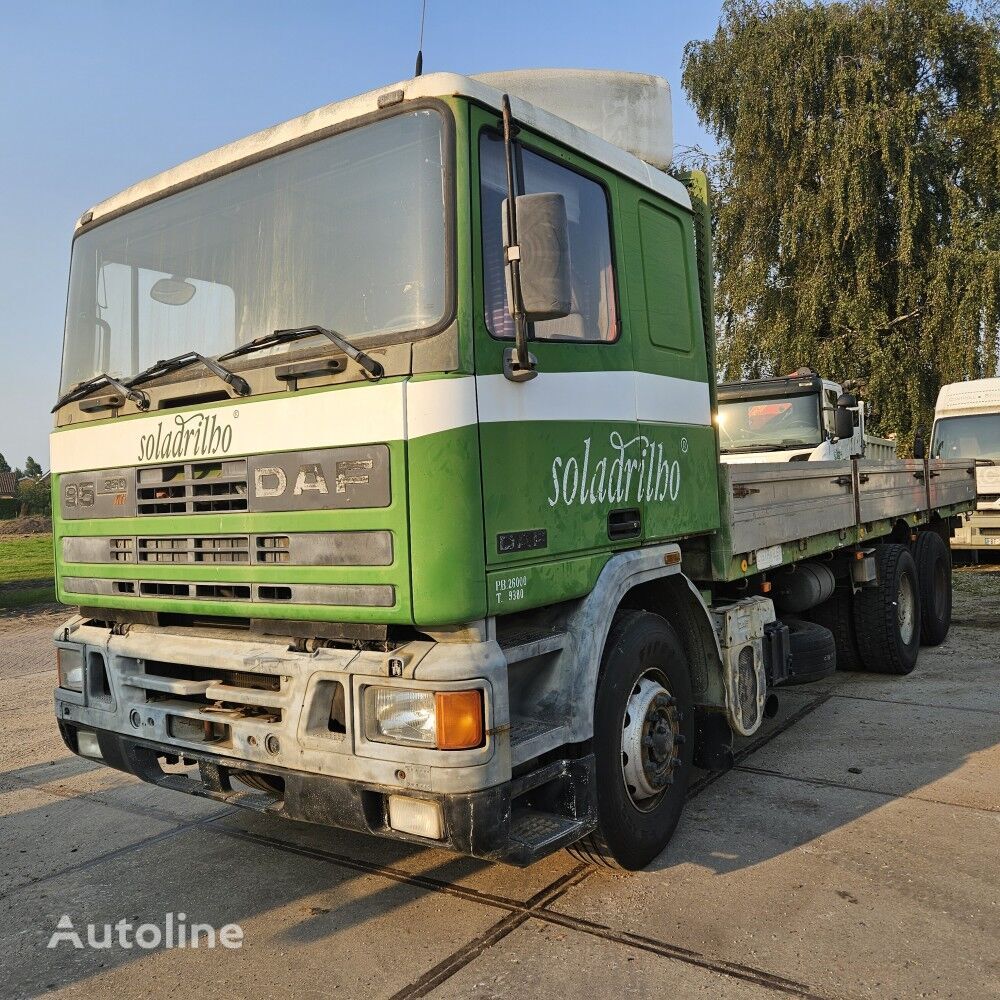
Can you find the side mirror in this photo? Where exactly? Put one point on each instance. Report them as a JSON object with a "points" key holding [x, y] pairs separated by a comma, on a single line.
{"points": [[919, 449], [543, 239], [843, 421]]}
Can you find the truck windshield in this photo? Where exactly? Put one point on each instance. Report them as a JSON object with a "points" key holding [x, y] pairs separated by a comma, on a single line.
{"points": [[973, 436], [769, 424], [348, 232]]}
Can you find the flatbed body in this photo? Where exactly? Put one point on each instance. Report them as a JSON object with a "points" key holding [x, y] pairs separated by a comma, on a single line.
{"points": [[776, 514]]}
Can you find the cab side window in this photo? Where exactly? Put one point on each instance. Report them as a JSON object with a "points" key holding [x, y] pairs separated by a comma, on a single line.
{"points": [[830, 412], [666, 278], [594, 315]]}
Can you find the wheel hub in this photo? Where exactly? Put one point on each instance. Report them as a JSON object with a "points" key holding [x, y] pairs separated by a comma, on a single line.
{"points": [[649, 740], [905, 609]]}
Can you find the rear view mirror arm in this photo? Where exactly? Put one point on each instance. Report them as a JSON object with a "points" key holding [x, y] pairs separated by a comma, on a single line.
{"points": [[519, 365]]}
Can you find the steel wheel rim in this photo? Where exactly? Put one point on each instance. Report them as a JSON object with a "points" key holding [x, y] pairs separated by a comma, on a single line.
{"points": [[906, 609], [650, 728]]}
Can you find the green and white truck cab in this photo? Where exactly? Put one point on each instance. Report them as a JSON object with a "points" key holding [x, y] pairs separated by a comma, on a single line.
{"points": [[967, 426], [386, 483], [794, 418]]}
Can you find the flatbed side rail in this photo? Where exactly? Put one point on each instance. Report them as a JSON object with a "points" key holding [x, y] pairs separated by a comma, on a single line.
{"points": [[775, 513]]}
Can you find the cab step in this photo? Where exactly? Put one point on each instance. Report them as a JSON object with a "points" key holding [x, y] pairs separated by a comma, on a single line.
{"points": [[523, 643], [534, 833], [551, 807]]}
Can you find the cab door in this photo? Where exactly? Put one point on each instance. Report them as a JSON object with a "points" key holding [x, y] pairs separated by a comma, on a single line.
{"points": [[560, 453], [680, 492]]}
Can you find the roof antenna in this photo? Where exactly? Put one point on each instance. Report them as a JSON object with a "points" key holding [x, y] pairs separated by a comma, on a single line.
{"points": [[420, 48]]}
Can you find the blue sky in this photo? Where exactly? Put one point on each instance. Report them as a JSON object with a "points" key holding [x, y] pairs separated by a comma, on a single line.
{"points": [[95, 96]]}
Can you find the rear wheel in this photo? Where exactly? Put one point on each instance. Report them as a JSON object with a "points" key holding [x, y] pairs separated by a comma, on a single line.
{"points": [[837, 614], [933, 559], [643, 742], [887, 616]]}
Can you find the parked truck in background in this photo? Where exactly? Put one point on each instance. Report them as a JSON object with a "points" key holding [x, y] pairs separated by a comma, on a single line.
{"points": [[794, 419], [387, 487], [967, 426]]}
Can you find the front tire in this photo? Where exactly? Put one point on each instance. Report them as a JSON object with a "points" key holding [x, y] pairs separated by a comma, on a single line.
{"points": [[887, 616], [643, 742]]}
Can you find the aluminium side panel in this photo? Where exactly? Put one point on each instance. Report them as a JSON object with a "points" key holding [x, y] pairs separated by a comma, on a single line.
{"points": [[952, 481], [890, 489], [774, 503]]}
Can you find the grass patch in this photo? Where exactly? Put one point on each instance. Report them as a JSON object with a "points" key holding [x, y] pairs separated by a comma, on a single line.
{"points": [[977, 581], [27, 558], [26, 597]]}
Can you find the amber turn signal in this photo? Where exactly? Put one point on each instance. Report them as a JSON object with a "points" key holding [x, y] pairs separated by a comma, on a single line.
{"points": [[459, 719]]}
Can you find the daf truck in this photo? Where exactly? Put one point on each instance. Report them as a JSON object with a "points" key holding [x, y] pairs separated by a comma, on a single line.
{"points": [[967, 425], [387, 489], [794, 419]]}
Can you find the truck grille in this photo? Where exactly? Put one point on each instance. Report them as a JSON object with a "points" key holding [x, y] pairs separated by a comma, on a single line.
{"points": [[200, 591], [192, 488], [200, 549], [313, 548], [226, 695]]}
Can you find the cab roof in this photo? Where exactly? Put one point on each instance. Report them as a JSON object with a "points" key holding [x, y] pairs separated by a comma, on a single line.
{"points": [[277, 138], [975, 396], [759, 388]]}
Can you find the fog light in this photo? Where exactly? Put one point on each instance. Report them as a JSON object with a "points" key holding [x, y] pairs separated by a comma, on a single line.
{"points": [[69, 666], [421, 817], [86, 743]]}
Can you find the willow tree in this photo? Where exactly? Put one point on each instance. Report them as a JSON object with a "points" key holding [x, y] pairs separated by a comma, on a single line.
{"points": [[858, 188]]}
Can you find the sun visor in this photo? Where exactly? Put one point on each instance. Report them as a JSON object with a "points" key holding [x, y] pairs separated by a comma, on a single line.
{"points": [[630, 110]]}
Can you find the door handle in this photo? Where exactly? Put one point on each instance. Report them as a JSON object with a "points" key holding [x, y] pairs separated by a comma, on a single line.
{"points": [[625, 523]]}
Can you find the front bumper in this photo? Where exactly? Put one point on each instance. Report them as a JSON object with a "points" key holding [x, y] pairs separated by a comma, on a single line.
{"points": [[235, 706], [979, 530], [517, 822]]}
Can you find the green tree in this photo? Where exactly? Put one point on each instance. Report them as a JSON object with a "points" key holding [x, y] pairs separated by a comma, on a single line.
{"points": [[34, 499], [4, 464], [858, 179], [32, 468]]}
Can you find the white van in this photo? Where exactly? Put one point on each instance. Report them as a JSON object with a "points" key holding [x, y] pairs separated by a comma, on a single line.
{"points": [[967, 425]]}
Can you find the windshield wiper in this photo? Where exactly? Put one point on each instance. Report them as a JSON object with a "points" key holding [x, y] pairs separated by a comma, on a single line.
{"points": [[86, 387], [367, 362], [239, 385], [752, 447]]}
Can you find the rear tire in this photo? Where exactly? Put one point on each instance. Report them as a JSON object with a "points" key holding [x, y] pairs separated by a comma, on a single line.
{"points": [[933, 560], [887, 616], [643, 703], [837, 614]]}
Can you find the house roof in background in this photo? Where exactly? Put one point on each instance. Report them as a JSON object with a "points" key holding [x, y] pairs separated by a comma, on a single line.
{"points": [[8, 486]]}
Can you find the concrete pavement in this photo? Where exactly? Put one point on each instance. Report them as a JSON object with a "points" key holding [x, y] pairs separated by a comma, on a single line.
{"points": [[852, 852]]}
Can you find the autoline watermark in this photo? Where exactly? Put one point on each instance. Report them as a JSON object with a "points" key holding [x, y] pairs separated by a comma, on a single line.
{"points": [[173, 932]]}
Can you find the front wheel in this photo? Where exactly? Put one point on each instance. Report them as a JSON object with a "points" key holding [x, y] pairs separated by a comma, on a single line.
{"points": [[643, 742]]}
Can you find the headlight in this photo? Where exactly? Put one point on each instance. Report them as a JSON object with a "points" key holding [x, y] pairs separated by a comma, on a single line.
{"points": [[396, 715], [447, 720], [69, 666]]}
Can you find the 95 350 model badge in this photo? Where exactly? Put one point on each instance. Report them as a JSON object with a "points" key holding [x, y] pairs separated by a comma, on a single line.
{"points": [[324, 479]]}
